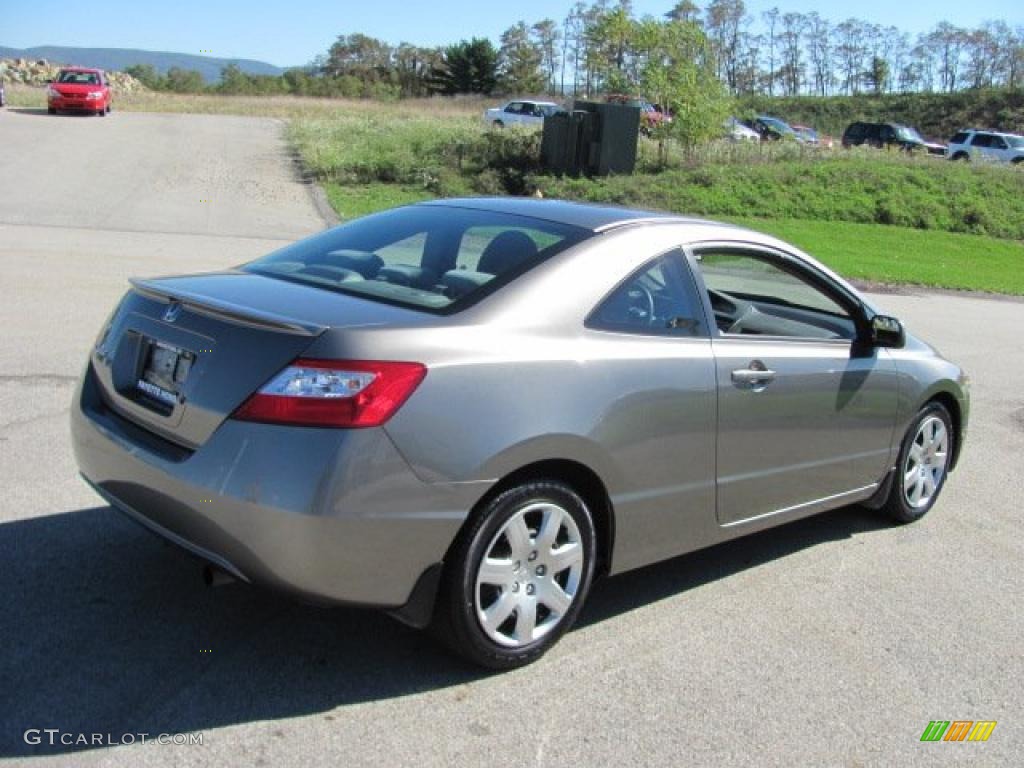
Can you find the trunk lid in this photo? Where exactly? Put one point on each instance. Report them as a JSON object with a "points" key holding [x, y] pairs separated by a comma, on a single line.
{"points": [[180, 354]]}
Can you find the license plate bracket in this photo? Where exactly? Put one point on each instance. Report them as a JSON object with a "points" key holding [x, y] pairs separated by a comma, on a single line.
{"points": [[164, 370]]}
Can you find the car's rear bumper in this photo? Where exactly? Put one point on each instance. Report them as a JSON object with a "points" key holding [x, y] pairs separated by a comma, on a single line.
{"points": [[329, 515]]}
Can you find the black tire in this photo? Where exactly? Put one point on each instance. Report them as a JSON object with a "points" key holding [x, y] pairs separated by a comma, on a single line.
{"points": [[498, 124], [102, 113], [897, 505], [109, 109], [962, 156], [51, 111], [455, 617]]}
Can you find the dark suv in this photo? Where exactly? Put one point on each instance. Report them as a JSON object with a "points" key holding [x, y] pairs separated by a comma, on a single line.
{"points": [[885, 135]]}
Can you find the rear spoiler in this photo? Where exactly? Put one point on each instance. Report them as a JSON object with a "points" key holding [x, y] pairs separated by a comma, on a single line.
{"points": [[226, 311]]}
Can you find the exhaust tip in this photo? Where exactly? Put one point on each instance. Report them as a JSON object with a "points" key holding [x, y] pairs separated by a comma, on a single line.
{"points": [[215, 577]]}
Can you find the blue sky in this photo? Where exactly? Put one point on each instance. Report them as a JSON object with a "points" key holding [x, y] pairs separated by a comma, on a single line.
{"points": [[293, 33]]}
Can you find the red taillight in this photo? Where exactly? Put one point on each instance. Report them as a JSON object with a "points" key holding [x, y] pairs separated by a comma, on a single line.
{"points": [[334, 393]]}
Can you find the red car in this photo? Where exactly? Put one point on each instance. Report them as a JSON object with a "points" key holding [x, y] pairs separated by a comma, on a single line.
{"points": [[80, 90]]}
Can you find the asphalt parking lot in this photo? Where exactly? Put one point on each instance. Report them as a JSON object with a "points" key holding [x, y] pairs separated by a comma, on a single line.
{"points": [[830, 641]]}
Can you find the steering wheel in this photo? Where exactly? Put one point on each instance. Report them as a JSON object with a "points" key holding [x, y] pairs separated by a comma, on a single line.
{"points": [[748, 312], [641, 304]]}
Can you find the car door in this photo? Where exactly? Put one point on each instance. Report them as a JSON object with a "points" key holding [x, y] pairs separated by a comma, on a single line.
{"points": [[806, 411], [648, 342], [980, 145], [512, 112], [999, 150]]}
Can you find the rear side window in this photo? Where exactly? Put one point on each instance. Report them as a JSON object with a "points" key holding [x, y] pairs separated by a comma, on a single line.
{"points": [[960, 138], [981, 140], [435, 258], [658, 299]]}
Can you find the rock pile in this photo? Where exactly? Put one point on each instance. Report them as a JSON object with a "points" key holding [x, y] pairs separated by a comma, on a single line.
{"points": [[29, 72]]}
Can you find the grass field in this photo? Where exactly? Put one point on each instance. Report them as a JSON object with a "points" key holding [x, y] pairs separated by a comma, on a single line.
{"points": [[885, 254]]}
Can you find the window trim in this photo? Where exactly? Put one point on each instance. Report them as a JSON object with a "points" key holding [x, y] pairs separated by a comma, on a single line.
{"points": [[793, 265], [685, 271]]}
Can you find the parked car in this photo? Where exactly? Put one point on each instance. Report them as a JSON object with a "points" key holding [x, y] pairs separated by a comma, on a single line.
{"points": [[3, 95], [521, 113], [810, 136], [993, 146], [737, 131], [651, 116], [76, 89], [464, 411], [889, 135], [773, 129]]}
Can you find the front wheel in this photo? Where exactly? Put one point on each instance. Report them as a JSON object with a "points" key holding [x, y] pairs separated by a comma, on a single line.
{"points": [[51, 111], [518, 575], [922, 466]]}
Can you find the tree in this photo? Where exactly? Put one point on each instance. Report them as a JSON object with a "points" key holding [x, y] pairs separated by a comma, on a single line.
{"points": [[610, 37], [676, 70], [573, 43], [546, 36], [519, 61], [685, 10], [358, 55], [469, 66], [793, 25], [147, 75], [946, 42], [849, 52], [723, 22], [877, 76], [184, 80], [234, 80], [819, 46], [771, 18], [412, 66]]}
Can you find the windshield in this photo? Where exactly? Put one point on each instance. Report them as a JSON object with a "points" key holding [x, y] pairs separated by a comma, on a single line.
{"points": [[908, 134], [434, 258], [776, 124], [1017, 142], [79, 78]]}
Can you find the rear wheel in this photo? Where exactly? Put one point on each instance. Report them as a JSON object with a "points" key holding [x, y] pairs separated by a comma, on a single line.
{"points": [[518, 575], [962, 156], [923, 465], [51, 111]]}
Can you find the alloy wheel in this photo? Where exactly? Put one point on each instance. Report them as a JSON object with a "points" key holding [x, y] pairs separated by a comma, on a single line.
{"points": [[926, 462]]}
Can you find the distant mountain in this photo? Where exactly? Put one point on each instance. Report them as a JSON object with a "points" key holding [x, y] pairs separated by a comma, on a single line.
{"points": [[119, 58]]}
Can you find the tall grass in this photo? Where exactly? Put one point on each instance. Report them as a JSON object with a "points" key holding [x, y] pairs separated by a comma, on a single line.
{"points": [[862, 187]]}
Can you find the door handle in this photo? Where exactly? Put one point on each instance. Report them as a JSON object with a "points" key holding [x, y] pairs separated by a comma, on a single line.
{"points": [[754, 375]]}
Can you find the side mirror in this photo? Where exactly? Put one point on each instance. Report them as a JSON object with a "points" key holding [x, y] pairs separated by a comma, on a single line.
{"points": [[887, 332], [49, 82]]}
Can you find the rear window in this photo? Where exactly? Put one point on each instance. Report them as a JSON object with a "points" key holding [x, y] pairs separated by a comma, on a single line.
{"points": [[434, 258]]}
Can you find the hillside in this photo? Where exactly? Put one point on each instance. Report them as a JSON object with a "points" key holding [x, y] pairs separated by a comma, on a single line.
{"points": [[119, 58], [935, 115]]}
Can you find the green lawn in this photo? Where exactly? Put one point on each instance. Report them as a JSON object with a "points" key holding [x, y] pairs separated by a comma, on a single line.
{"points": [[352, 200], [872, 252], [887, 254]]}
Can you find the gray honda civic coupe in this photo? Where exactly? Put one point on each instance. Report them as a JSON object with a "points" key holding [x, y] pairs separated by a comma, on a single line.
{"points": [[465, 411]]}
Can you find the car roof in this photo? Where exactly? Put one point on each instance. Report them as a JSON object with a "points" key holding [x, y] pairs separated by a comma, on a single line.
{"points": [[593, 217], [81, 69]]}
